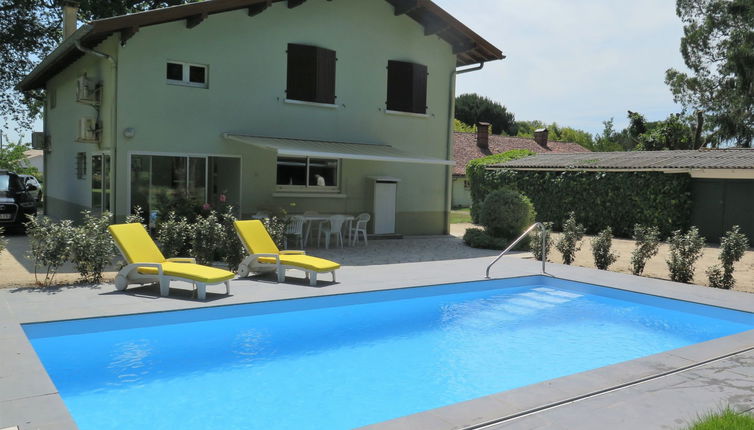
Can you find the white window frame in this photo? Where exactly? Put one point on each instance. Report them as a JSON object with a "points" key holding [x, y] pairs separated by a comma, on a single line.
{"points": [[186, 72], [309, 188]]}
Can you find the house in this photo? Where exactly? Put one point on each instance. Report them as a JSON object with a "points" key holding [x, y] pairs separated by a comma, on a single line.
{"points": [[469, 146], [722, 180], [35, 158], [337, 107]]}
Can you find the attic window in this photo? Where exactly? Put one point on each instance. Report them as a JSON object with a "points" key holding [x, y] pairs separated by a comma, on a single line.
{"points": [[311, 74], [192, 75], [406, 87]]}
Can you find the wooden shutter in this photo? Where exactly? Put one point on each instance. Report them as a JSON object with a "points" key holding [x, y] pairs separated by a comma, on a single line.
{"points": [[406, 87], [302, 72], [325, 76], [419, 89]]}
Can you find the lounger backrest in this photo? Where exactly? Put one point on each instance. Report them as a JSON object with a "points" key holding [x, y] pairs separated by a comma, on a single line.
{"points": [[135, 244], [255, 238]]}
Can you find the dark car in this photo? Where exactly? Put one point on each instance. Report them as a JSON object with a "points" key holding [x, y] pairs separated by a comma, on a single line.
{"points": [[32, 186], [15, 200]]}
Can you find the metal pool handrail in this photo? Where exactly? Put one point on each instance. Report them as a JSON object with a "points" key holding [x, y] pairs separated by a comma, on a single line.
{"points": [[515, 242]]}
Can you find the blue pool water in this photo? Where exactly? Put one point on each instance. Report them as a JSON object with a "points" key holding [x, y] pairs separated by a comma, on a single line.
{"points": [[346, 361]]}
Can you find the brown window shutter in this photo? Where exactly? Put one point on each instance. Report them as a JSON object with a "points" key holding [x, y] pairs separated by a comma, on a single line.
{"points": [[399, 85], [325, 76], [302, 72], [419, 89]]}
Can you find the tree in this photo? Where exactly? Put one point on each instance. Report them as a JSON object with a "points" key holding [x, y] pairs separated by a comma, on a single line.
{"points": [[608, 139], [31, 30], [718, 48], [12, 158], [675, 132], [556, 132], [473, 108]]}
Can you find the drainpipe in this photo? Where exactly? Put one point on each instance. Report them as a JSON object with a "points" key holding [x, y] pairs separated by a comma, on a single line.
{"points": [[114, 121], [449, 146]]}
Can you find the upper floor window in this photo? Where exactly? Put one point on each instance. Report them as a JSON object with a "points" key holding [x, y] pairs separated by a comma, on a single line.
{"points": [[406, 87], [192, 75], [311, 74]]}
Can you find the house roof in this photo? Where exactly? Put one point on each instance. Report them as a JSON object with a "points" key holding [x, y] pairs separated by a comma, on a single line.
{"points": [[639, 160], [469, 47], [31, 153], [465, 148]]}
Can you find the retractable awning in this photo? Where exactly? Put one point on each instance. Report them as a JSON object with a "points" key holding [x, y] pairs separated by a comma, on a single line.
{"points": [[324, 149]]}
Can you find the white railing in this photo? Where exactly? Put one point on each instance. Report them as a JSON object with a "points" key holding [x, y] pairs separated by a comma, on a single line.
{"points": [[520, 238]]}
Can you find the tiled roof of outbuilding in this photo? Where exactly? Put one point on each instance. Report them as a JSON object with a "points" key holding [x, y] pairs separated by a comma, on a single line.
{"points": [[465, 148], [640, 160]]}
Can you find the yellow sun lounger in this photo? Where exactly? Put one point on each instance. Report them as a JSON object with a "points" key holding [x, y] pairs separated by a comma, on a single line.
{"points": [[146, 264], [264, 255]]}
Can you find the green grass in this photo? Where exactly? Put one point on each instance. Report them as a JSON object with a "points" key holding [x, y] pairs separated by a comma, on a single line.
{"points": [[724, 420], [459, 216]]}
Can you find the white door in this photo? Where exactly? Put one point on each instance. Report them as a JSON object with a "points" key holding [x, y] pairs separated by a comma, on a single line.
{"points": [[384, 207]]}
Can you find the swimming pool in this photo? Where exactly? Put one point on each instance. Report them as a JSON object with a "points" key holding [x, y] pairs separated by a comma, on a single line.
{"points": [[350, 360]]}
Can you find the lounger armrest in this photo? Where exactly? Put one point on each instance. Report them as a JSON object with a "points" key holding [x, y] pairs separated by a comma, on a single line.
{"points": [[293, 252], [182, 260], [135, 266], [275, 256]]}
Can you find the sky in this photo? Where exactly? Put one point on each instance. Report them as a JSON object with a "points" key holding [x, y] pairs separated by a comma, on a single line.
{"points": [[575, 62]]}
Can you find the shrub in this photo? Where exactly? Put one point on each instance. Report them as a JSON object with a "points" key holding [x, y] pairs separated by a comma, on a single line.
{"points": [[207, 239], [3, 241], [92, 246], [536, 241], [174, 234], [276, 225], [478, 238], [231, 251], [732, 248], [50, 245], [481, 179], [569, 242], [506, 214], [601, 244], [136, 216], [685, 249], [647, 244], [620, 199]]}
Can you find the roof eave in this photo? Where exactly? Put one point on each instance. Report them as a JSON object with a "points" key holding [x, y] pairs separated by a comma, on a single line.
{"points": [[35, 79]]}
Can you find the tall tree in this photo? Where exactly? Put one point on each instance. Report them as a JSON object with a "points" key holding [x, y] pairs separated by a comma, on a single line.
{"points": [[718, 48], [31, 30], [473, 108]]}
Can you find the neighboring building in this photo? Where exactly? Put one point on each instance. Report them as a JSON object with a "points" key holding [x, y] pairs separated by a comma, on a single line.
{"points": [[35, 158], [259, 102], [722, 180], [469, 146]]}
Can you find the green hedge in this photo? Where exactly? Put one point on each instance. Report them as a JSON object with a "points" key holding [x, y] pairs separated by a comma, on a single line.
{"points": [[600, 199], [476, 173]]}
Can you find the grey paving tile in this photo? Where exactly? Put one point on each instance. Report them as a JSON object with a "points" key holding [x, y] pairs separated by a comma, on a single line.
{"points": [[36, 413]]}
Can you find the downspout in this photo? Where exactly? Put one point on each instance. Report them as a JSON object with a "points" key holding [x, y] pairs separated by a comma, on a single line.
{"points": [[451, 138], [114, 119]]}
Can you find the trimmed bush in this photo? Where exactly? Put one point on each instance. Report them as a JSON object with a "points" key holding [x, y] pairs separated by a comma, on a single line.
{"points": [[536, 241], [50, 245], [174, 235], [481, 179], [601, 244], [600, 199], [92, 247], [506, 214], [136, 216], [231, 249], [276, 226], [570, 241], [647, 244], [208, 237], [478, 238], [732, 248], [685, 249]]}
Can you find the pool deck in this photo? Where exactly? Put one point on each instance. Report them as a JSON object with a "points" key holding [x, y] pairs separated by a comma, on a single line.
{"points": [[662, 391]]}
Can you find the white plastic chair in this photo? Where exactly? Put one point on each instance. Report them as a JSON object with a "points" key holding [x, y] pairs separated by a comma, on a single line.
{"points": [[295, 228], [333, 227], [360, 227]]}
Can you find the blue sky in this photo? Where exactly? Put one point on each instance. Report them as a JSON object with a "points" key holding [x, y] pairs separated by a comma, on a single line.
{"points": [[575, 62]]}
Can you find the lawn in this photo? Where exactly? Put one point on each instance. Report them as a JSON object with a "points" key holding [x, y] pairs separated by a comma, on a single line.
{"points": [[725, 420], [459, 216]]}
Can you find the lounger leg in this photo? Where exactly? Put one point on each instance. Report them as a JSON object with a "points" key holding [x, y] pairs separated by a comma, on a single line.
{"points": [[281, 274], [312, 279], [202, 290], [164, 286], [227, 286], [333, 276]]}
